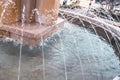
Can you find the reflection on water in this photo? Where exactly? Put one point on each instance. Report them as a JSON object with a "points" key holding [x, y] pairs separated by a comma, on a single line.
{"points": [[86, 58]]}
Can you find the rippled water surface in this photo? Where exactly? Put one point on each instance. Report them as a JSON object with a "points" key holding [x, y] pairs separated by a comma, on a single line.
{"points": [[72, 53]]}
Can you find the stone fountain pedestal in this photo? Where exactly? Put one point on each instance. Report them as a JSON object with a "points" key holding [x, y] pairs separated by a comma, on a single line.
{"points": [[32, 33]]}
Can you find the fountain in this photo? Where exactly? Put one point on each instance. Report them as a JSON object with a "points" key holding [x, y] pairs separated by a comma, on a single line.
{"points": [[86, 47], [33, 28]]}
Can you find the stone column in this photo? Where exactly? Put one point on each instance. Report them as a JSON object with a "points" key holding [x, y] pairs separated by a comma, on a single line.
{"points": [[48, 11], [9, 11], [28, 5]]}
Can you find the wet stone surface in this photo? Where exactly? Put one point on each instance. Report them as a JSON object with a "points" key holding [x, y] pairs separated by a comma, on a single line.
{"points": [[73, 51]]}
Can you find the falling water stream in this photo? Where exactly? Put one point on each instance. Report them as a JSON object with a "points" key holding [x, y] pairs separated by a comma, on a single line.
{"points": [[21, 44]]}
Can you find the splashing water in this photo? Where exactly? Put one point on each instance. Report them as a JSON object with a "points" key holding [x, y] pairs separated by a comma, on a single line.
{"points": [[4, 8]]}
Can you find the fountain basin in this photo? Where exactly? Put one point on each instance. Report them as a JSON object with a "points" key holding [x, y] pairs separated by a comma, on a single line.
{"points": [[32, 33], [87, 57]]}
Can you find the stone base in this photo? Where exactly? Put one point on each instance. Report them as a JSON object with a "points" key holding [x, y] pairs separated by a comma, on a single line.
{"points": [[32, 33]]}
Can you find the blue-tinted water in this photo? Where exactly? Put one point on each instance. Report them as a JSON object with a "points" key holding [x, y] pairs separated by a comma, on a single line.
{"points": [[85, 55]]}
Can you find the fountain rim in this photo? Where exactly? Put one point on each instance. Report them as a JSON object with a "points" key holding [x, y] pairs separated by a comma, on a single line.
{"points": [[92, 20]]}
